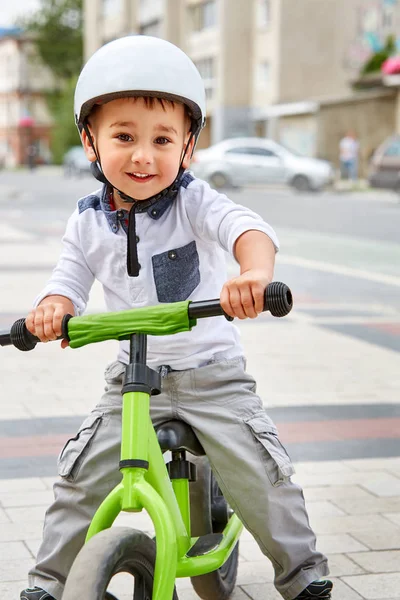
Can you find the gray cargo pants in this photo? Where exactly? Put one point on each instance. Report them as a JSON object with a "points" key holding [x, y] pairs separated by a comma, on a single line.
{"points": [[250, 464]]}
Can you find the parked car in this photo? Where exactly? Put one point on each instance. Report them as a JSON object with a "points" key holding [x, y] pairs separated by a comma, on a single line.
{"points": [[242, 161], [75, 162], [385, 165]]}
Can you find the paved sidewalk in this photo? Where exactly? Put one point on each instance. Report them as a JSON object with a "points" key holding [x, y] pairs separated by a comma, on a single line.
{"points": [[301, 362]]}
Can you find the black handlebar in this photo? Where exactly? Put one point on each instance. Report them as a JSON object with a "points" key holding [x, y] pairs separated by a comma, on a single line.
{"points": [[278, 301]]}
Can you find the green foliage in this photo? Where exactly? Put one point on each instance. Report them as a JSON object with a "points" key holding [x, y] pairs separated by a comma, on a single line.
{"points": [[375, 62], [57, 29], [64, 133]]}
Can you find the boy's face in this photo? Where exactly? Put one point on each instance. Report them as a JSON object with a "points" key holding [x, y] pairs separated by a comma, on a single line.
{"points": [[140, 147]]}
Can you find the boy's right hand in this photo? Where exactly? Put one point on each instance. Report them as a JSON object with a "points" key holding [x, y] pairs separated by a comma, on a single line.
{"points": [[45, 321]]}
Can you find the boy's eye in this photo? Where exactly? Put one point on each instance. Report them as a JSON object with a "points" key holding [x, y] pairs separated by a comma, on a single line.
{"points": [[162, 141], [124, 137]]}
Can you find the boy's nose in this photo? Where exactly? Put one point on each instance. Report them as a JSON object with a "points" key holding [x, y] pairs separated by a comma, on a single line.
{"points": [[141, 156]]}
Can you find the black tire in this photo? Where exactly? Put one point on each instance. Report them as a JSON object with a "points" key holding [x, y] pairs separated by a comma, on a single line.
{"points": [[112, 551], [219, 584], [301, 183], [219, 181]]}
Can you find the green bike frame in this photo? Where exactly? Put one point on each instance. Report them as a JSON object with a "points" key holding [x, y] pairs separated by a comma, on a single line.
{"points": [[150, 487]]}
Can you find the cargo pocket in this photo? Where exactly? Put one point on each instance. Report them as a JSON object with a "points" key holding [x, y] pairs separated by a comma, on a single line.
{"points": [[75, 450], [114, 372], [274, 457], [176, 273]]}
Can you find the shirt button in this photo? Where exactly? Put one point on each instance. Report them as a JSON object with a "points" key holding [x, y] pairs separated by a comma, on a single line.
{"points": [[115, 228], [154, 212], [172, 254], [137, 239], [120, 214]]}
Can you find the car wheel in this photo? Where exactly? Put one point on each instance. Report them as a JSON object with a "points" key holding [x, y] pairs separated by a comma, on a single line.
{"points": [[301, 183], [219, 180]]}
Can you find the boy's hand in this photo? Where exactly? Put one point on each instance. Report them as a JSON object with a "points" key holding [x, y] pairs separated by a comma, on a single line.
{"points": [[243, 296], [45, 321]]}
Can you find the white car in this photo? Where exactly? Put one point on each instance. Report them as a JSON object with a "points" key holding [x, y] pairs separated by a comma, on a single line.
{"points": [[242, 161]]}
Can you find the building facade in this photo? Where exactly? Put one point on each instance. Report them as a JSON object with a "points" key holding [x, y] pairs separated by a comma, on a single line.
{"points": [[270, 67], [25, 122]]}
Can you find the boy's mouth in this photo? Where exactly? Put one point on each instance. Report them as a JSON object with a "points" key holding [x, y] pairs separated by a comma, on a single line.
{"points": [[140, 177]]}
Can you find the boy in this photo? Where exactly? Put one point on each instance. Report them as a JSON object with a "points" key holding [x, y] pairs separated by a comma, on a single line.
{"points": [[155, 234]]}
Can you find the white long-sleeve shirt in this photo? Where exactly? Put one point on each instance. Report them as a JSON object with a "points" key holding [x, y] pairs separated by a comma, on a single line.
{"points": [[181, 246]]}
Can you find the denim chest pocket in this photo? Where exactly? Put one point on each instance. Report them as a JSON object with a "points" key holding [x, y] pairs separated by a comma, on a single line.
{"points": [[176, 273]]}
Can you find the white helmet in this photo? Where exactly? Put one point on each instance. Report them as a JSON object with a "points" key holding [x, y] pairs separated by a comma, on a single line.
{"points": [[139, 65]]}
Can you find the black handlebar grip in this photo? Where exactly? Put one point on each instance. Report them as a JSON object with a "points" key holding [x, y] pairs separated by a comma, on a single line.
{"points": [[278, 299], [21, 338]]}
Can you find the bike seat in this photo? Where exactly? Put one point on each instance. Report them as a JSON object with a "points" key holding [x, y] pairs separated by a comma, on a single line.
{"points": [[178, 435]]}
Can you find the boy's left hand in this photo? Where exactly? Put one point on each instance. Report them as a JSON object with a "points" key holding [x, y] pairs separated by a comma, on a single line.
{"points": [[243, 296]]}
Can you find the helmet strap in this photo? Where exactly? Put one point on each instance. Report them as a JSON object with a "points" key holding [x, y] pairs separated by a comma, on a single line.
{"points": [[97, 171]]}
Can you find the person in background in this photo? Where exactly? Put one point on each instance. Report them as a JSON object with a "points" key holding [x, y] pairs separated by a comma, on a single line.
{"points": [[348, 153]]}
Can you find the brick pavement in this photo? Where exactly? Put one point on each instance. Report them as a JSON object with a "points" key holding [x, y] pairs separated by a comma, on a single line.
{"points": [[354, 504]]}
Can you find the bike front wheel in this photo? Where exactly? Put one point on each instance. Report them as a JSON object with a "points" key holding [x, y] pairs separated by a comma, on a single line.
{"points": [[112, 551]]}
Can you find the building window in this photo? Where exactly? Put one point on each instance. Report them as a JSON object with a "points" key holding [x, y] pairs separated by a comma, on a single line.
{"points": [[263, 13], [204, 16], [263, 74], [206, 67], [111, 8], [153, 28]]}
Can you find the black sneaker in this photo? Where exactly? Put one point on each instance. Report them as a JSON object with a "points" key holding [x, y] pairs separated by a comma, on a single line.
{"points": [[35, 593], [317, 589]]}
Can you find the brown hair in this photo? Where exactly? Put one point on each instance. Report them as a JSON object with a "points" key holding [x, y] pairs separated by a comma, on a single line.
{"points": [[150, 101]]}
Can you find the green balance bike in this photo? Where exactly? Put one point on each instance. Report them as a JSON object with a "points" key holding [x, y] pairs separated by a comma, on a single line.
{"points": [[196, 533]]}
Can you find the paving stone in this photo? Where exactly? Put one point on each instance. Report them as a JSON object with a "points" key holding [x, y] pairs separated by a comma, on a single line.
{"points": [[256, 571], [323, 509], [383, 484], [16, 499], [183, 583], [21, 485], [369, 505], [13, 570], [375, 587], [190, 594], [4, 517], [11, 532], [395, 517], [339, 544], [326, 466], [140, 521], [22, 514], [377, 562], [386, 539], [374, 464], [341, 591], [250, 550], [33, 546], [351, 478], [12, 589], [257, 591], [348, 524], [340, 564], [48, 482], [332, 492], [13, 550]]}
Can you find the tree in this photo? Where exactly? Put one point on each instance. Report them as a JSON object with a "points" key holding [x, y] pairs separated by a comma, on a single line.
{"points": [[57, 33]]}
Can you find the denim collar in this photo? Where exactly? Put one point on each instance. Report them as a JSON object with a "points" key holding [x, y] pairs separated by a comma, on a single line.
{"points": [[154, 209]]}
